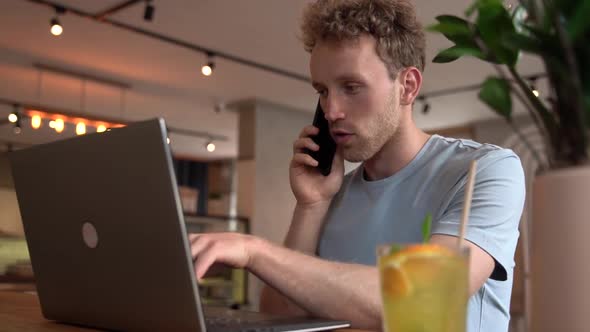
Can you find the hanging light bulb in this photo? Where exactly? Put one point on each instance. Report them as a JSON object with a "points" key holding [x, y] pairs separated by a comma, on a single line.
{"points": [[210, 146], [168, 140], [12, 117], [52, 124], [36, 121], [56, 28], [80, 128], [59, 125], [101, 128]]}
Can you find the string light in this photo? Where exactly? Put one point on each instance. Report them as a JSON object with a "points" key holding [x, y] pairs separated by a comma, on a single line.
{"points": [[36, 121], [101, 128], [80, 128], [59, 125]]}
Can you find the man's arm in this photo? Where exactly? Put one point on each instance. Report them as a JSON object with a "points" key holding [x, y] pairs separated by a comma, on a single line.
{"points": [[325, 289], [313, 192], [303, 236], [481, 264]]}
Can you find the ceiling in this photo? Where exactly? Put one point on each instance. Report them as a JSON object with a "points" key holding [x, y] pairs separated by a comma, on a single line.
{"points": [[165, 80]]}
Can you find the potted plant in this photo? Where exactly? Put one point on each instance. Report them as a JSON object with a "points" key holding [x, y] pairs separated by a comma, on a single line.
{"points": [[558, 32]]}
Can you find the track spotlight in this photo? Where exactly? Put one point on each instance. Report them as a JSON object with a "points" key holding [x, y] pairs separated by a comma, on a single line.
{"points": [[148, 14], [207, 69], [425, 104], [210, 146], [12, 117], [56, 28], [426, 108], [17, 128], [533, 86]]}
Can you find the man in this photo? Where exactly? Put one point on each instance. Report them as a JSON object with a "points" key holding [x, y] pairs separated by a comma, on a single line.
{"points": [[367, 58]]}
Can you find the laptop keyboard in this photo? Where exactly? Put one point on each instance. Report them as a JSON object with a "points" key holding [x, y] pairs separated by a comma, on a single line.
{"points": [[219, 319]]}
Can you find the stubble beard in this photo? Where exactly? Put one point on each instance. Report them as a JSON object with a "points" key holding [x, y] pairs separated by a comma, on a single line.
{"points": [[370, 140]]}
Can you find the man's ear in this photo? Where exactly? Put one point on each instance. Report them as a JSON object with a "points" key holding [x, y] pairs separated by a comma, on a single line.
{"points": [[411, 81]]}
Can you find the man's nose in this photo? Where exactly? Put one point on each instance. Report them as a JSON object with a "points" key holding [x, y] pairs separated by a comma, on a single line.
{"points": [[333, 109]]}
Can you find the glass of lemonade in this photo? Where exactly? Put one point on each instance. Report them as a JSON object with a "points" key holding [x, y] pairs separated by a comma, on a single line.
{"points": [[424, 287]]}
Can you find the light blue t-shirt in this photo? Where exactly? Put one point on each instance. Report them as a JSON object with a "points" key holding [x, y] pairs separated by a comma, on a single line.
{"points": [[365, 214]]}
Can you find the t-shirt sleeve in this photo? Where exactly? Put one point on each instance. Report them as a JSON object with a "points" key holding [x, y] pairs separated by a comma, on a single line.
{"points": [[496, 207]]}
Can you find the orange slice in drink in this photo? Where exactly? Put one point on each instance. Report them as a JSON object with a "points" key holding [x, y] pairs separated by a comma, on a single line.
{"points": [[417, 259]]}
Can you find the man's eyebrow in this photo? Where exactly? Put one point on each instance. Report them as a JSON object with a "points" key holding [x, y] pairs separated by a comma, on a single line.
{"points": [[349, 77], [342, 78]]}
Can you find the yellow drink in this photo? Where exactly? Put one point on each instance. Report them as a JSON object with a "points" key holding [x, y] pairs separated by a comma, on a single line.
{"points": [[424, 288]]}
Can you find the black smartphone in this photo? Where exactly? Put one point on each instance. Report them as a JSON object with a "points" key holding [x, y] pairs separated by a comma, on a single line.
{"points": [[327, 150]]}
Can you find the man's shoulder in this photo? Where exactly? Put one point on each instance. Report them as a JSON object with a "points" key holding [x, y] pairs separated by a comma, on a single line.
{"points": [[459, 152]]}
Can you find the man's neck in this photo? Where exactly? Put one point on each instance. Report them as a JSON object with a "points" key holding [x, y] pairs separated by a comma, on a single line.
{"points": [[398, 152]]}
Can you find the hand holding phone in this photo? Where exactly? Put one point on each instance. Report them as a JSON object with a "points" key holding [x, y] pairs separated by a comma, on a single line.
{"points": [[327, 150]]}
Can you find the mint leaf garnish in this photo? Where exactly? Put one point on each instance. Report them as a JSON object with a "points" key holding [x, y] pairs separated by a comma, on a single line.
{"points": [[426, 227], [394, 249]]}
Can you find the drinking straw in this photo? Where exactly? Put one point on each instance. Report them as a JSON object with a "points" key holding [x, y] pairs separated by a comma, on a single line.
{"points": [[467, 202]]}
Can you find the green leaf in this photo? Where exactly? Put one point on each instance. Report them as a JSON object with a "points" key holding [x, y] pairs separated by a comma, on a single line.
{"points": [[426, 228], [493, 23], [495, 92], [578, 25], [455, 29], [453, 53], [517, 41], [452, 25]]}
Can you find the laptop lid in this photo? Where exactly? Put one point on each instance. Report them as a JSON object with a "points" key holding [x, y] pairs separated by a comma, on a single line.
{"points": [[105, 231], [107, 238]]}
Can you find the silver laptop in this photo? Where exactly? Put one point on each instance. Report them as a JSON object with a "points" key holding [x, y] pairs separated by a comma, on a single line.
{"points": [[107, 238]]}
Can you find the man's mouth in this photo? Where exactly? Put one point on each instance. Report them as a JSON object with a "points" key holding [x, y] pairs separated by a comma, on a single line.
{"points": [[341, 136]]}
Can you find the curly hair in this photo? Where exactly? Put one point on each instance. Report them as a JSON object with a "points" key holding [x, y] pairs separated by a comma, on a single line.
{"points": [[400, 38]]}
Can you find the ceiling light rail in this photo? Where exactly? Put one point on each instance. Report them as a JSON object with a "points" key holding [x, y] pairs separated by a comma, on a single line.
{"points": [[103, 18]]}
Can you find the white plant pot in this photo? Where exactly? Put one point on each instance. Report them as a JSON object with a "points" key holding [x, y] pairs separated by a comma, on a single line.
{"points": [[560, 246]]}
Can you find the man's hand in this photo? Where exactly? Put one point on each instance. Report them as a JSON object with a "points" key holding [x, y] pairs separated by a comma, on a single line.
{"points": [[308, 184], [233, 249]]}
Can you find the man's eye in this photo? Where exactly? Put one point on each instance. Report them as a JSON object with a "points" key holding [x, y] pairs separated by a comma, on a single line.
{"points": [[351, 89]]}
